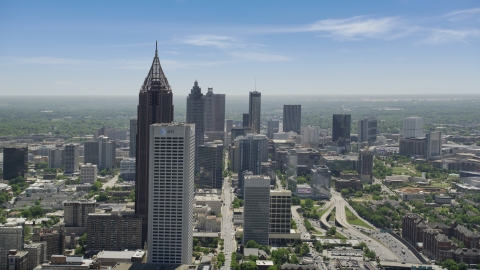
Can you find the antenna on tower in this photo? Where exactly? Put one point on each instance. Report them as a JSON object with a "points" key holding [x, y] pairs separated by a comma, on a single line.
{"points": [[156, 48], [255, 84]]}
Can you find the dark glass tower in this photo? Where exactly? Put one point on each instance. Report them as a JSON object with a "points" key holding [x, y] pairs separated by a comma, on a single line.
{"points": [[254, 110], [292, 118], [341, 126], [15, 162], [155, 105], [196, 115]]}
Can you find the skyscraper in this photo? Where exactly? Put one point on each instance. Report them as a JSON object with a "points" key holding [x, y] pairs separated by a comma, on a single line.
{"points": [[256, 213], [254, 111], [341, 126], [273, 125], [253, 151], [229, 125], [71, 158], [91, 152], [106, 153], [246, 120], [133, 136], [292, 118], [434, 144], [214, 111], [196, 115], [15, 162], [196, 112], [367, 129], [170, 215], [210, 164], [412, 127], [154, 106]]}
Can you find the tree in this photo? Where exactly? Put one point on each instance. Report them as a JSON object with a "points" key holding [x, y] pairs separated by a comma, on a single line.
{"points": [[345, 191], [250, 265], [462, 266], [251, 244], [358, 194], [332, 231], [103, 197], [449, 265], [294, 259], [280, 256], [96, 186], [309, 203], [36, 211], [272, 268], [27, 233], [295, 200]]}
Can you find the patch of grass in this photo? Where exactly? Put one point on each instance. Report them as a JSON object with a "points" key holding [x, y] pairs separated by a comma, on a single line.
{"points": [[400, 170], [354, 220], [316, 207], [321, 213], [332, 216]]}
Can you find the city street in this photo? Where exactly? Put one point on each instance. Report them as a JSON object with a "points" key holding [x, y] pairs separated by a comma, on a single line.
{"points": [[299, 221], [228, 230]]}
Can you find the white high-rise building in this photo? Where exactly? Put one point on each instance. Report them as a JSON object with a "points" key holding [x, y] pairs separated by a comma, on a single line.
{"points": [[88, 173], [171, 193], [310, 135], [412, 127]]}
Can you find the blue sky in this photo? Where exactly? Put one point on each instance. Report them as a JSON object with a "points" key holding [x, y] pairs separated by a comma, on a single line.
{"points": [[289, 47]]}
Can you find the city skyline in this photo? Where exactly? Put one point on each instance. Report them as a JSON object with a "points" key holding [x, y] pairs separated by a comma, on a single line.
{"points": [[104, 48]]}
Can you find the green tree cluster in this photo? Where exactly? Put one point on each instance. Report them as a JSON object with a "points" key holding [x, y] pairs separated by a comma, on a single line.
{"points": [[237, 203]]}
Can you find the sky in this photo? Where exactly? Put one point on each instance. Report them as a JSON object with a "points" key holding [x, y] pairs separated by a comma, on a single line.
{"points": [[276, 47]]}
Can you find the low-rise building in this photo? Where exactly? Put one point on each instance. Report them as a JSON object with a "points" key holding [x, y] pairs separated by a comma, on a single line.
{"points": [[88, 173], [54, 237], [354, 183], [17, 260]]}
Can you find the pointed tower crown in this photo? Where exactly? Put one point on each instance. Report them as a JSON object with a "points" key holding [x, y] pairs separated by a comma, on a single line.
{"points": [[156, 79]]}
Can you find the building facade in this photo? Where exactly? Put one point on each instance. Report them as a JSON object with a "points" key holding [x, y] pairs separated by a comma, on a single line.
{"points": [[15, 162], [196, 112], [280, 211], [155, 105], [367, 129], [11, 237], [171, 193], [273, 126], [341, 127], [292, 118], [254, 111], [55, 238], [253, 150], [133, 137], [113, 231], [412, 127], [76, 212], [210, 163], [127, 169], [256, 195], [71, 158], [214, 112], [88, 173]]}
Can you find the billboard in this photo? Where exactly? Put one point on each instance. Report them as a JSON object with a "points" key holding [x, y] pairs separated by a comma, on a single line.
{"points": [[304, 190]]}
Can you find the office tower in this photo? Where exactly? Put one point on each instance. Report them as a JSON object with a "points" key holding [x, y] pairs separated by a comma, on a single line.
{"points": [[246, 120], [55, 238], [434, 144], [292, 118], [91, 152], [71, 158], [133, 136], [36, 253], [214, 111], [292, 164], [254, 111], [196, 112], [415, 147], [341, 127], [210, 162], [412, 127], [127, 169], [365, 162], [280, 211], [367, 129], [55, 158], [253, 150], [154, 106], [196, 115], [229, 125], [171, 198], [17, 260], [310, 135], [273, 126], [320, 177], [256, 209], [116, 134], [11, 237], [88, 173], [76, 212], [106, 153], [15, 162], [114, 231]]}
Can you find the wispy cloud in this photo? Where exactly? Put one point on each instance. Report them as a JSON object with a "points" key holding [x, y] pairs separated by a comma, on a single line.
{"points": [[218, 41], [259, 57], [53, 61], [440, 36], [462, 15]]}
